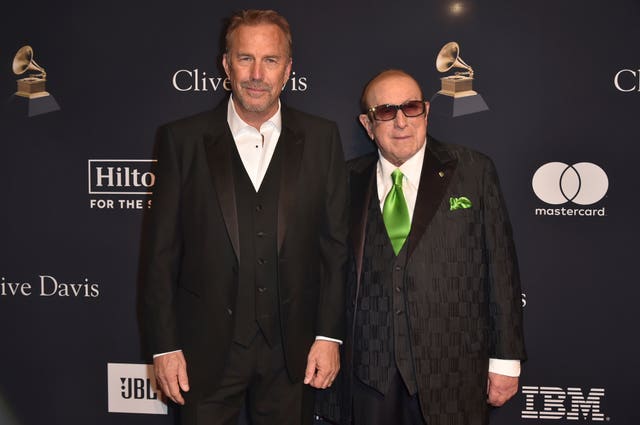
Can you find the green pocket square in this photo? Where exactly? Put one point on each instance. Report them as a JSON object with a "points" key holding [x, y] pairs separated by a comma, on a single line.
{"points": [[459, 203]]}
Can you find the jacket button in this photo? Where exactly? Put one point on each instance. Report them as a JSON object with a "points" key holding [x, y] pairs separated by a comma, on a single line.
{"points": [[229, 311], [261, 289], [398, 289], [262, 261], [398, 268], [398, 312]]}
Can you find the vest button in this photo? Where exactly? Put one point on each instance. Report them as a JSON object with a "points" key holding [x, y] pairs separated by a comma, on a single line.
{"points": [[398, 312], [262, 261], [398, 289], [262, 289], [259, 207], [260, 234], [398, 268], [229, 311]]}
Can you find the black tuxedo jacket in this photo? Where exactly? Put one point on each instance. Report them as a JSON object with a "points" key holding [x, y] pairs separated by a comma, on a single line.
{"points": [[462, 283], [191, 244]]}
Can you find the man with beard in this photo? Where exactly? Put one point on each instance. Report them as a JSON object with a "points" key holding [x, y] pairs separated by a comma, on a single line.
{"points": [[245, 247]]}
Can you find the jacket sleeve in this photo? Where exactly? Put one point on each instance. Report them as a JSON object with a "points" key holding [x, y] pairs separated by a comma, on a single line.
{"points": [[333, 245], [504, 290], [161, 248]]}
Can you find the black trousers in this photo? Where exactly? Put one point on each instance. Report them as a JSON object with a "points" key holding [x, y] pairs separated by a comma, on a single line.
{"points": [[396, 407], [255, 378]]}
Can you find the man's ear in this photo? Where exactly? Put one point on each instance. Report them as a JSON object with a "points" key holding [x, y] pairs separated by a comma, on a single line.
{"points": [[366, 123]]}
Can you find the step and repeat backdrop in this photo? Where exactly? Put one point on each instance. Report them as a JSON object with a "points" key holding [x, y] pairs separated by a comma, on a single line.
{"points": [[558, 111]]}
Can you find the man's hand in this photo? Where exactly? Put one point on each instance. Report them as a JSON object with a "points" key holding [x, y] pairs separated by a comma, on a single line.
{"points": [[171, 374], [323, 364], [500, 388]]}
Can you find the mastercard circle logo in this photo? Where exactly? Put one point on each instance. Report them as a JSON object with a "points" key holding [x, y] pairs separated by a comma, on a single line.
{"points": [[557, 183]]}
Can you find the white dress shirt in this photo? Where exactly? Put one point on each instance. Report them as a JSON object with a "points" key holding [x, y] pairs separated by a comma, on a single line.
{"points": [[255, 147], [411, 169]]}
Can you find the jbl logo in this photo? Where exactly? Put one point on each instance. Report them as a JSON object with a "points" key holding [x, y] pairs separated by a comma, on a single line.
{"points": [[137, 388], [132, 389]]}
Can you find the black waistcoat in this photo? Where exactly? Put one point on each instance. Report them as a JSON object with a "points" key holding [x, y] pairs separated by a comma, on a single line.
{"points": [[382, 329], [257, 302]]}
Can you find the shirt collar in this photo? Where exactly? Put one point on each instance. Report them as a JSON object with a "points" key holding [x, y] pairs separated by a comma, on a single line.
{"points": [[412, 168], [237, 125]]}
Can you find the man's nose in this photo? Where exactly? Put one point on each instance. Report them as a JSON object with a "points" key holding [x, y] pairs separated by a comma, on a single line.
{"points": [[256, 71], [400, 120]]}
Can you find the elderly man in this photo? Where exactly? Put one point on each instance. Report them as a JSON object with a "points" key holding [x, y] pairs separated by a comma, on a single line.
{"points": [[435, 292], [245, 248]]}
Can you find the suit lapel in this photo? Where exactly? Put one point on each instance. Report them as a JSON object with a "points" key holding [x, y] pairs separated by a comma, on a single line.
{"points": [[362, 188], [437, 170], [218, 143], [291, 142]]}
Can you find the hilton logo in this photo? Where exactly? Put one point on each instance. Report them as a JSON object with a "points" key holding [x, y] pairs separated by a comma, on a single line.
{"points": [[132, 389], [120, 177], [557, 403]]}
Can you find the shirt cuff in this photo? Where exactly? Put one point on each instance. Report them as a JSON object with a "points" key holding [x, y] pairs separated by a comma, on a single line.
{"points": [[324, 338], [505, 367], [168, 352]]}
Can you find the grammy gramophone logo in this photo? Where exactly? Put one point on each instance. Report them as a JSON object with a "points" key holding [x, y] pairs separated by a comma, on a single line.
{"points": [[456, 96], [461, 83], [31, 88]]}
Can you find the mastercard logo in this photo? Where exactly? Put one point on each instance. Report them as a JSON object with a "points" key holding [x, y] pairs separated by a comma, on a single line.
{"points": [[557, 183]]}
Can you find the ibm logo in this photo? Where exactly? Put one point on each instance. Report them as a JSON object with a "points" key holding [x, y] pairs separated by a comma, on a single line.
{"points": [[556, 401]]}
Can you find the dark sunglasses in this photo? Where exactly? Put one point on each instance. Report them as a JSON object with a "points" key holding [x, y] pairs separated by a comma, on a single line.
{"points": [[411, 108]]}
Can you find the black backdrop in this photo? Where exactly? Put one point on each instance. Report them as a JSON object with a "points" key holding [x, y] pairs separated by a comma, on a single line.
{"points": [[546, 69]]}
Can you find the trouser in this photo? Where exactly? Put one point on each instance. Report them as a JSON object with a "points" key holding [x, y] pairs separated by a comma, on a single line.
{"points": [[396, 407], [255, 377]]}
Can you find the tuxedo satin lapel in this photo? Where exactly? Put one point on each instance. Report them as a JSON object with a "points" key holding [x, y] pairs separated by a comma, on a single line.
{"points": [[437, 171], [292, 146], [362, 187], [218, 150]]}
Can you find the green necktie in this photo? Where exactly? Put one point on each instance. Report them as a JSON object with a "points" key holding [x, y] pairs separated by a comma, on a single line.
{"points": [[396, 214]]}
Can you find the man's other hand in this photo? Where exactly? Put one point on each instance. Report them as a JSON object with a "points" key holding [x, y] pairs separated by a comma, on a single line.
{"points": [[323, 364], [500, 388], [171, 374]]}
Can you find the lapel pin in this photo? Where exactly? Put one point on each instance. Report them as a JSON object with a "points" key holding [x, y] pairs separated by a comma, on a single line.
{"points": [[441, 173]]}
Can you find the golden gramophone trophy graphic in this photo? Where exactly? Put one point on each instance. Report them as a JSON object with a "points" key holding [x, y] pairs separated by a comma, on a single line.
{"points": [[456, 96], [31, 88]]}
